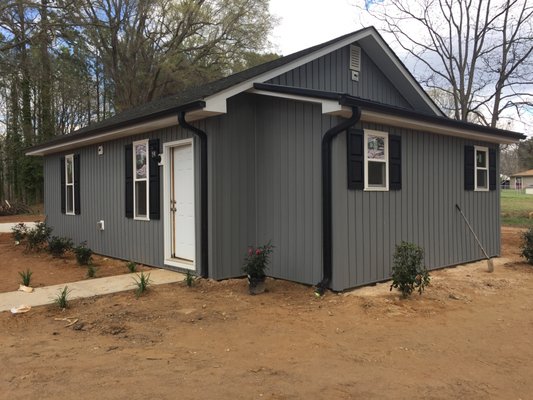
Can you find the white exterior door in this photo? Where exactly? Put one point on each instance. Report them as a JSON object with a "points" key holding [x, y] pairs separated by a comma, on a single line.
{"points": [[182, 203]]}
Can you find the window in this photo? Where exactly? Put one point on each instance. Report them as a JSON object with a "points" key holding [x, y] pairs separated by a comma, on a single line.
{"points": [[481, 175], [69, 184], [140, 177], [376, 153]]}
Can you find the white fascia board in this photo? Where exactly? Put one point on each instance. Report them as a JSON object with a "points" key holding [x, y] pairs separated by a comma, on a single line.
{"points": [[328, 106], [401, 122], [106, 136]]}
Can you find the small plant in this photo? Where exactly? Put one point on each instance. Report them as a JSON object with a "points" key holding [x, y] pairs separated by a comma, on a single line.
{"points": [[19, 232], [38, 236], [26, 277], [189, 279], [91, 270], [132, 267], [62, 298], [408, 273], [257, 259], [57, 246], [142, 284], [527, 245], [84, 254]]}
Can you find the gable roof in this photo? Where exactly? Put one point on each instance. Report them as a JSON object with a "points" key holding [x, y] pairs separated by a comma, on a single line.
{"points": [[529, 172], [210, 99]]}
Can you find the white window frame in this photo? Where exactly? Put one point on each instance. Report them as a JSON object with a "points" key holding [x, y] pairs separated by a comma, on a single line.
{"points": [[476, 168], [147, 180], [69, 186], [385, 136]]}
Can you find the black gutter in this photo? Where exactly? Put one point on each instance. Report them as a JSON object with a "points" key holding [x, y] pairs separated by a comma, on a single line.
{"points": [[327, 237], [202, 136], [369, 105], [108, 124]]}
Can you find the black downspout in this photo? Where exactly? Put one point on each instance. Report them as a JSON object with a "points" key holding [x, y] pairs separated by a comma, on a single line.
{"points": [[204, 269], [327, 239]]}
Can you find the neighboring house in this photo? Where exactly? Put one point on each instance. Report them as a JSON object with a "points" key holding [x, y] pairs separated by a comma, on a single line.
{"points": [[335, 154], [522, 180]]}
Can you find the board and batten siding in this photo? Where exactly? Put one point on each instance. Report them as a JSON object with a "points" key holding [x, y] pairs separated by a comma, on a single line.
{"points": [[289, 186], [331, 72], [368, 225], [102, 198], [231, 201]]}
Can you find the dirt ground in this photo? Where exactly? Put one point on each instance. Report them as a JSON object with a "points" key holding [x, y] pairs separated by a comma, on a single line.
{"points": [[47, 270], [469, 336]]}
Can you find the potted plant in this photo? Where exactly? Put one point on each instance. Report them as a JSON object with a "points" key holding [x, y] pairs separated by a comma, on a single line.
{"points": [[255, 264]]}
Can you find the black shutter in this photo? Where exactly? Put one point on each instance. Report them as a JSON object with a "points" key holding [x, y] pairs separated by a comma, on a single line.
{"points": [[77, 197], [492, 169], [354, 138], [154, 187], [469, 167], [395, 162], [128, 166], [63, 187]]}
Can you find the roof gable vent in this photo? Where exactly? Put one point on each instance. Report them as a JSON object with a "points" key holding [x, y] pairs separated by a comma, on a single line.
{"points": [[355, 58]]}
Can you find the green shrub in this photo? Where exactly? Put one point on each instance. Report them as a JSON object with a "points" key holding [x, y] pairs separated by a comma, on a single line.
{"points": [[26, 277], [189, 279], [527, 245], [62, 298], [57, 246], [38, 236], [91, 271], [142, 284], [19, 232], [408, 273], [83, 254], [132, 267]]}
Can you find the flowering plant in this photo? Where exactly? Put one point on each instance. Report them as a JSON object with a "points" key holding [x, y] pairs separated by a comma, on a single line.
{"points": [[257, 259]]}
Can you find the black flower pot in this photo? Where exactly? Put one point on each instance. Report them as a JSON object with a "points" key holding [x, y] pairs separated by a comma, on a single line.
{"points": [[256, 284]]}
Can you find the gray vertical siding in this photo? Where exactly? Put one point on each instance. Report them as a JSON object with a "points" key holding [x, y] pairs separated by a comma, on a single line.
{"points": [[265, 184], [289, 187], [232, 187], [331, 73], [102, 198], [368, 225]]}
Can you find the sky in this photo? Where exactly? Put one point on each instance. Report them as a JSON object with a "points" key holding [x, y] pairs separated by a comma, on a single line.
{"points": [[305, 23]]}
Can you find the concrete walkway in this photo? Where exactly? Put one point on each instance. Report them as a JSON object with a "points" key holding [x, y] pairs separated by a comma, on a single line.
{"points": [[5, 227], [86, 288]]}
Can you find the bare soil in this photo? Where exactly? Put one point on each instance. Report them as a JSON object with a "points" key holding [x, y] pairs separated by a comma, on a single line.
{"points": [[47, 270], [469, 336], [21, 218]]}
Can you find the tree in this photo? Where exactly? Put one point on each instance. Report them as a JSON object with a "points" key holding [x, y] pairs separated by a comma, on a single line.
{"points": [[477, 51], [153, 48]]}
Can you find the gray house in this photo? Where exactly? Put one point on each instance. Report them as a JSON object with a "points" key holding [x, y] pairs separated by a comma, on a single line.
{"points": [[335, 153]]}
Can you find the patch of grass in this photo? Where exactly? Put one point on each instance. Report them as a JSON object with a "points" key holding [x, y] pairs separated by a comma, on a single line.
{"points": [[515, 208], [26, 277], [142, 284], [62, 298], [132, 267]]}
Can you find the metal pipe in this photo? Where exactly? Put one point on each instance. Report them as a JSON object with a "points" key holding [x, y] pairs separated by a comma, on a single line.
{"points": [[327, 232]]}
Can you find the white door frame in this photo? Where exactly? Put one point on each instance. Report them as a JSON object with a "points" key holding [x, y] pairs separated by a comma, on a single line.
{"points": [[167, 215]]}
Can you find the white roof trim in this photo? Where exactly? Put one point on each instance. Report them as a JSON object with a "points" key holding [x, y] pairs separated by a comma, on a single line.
{"points": [[217, 101], [402, 122], [328, 106]]}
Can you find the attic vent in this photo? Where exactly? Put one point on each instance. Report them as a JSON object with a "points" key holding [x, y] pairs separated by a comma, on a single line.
{"points": [[355, 58]]}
